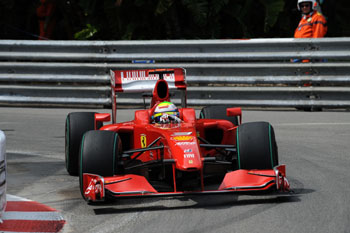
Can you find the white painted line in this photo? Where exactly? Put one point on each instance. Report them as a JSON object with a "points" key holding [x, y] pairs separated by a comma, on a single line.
{"points": [[37, 215], [311, 124], [10, 197]]}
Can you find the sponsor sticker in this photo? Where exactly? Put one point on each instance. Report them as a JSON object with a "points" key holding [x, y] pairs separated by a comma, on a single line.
{"points": [[182, 134], [143, 61], [143, 139], [182, 138], [93, 186], [90, 187], [142, 75], [187, 156], [185, 143]]}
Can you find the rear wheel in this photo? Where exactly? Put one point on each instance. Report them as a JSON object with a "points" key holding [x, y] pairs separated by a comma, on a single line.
{"points": [[99, 153], [256, 146], [215, 135], [217, 112], [77, 123]]}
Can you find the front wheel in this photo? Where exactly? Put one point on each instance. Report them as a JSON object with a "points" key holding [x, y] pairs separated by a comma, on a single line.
{"points": [[256, 146], [99, 154], [77, 123]]}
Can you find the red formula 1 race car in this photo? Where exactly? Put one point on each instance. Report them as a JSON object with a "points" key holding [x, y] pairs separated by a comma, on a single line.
{"points": [[168, 151]]}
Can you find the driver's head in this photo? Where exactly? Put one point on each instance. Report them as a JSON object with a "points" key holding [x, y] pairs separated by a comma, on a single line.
{"points": [[165, 112]]}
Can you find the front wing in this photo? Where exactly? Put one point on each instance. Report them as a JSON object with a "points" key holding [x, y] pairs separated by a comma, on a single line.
{"points": [[96, 188]]}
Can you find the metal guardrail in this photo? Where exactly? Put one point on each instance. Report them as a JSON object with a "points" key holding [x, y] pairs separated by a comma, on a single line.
{"points": [[255, 72]]}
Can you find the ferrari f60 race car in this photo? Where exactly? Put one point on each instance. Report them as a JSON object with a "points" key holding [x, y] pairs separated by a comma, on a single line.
{"points": [[212, 154]]}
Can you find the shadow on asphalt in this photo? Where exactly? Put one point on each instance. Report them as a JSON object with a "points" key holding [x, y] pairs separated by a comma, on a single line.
{"points": [[207, 202]]}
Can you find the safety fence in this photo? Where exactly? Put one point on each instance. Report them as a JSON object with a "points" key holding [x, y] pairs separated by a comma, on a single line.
{"points": [[256, 72]]}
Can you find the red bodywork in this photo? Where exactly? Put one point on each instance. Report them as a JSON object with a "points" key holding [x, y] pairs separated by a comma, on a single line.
{"points": [[175, 147]]}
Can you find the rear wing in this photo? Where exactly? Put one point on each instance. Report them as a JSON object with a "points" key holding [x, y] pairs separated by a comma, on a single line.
{"points": [[138, 81], [144, 80]]}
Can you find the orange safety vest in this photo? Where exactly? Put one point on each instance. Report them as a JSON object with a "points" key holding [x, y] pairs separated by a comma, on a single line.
{"points": [[313, 25]]}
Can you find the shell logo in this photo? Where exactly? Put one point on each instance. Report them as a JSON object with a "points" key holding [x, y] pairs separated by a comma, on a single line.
{"points": [[182, 138]]}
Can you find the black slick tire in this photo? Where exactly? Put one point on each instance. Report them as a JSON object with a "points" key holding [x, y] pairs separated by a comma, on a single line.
{"points": [[256, 146], [77, 123], [217, 112]]}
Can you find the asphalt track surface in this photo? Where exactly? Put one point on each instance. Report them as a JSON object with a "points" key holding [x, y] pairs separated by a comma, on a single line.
{"points": [[315, 146]]}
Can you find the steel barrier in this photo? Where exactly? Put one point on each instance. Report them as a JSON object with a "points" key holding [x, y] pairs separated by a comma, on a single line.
{"points": [[255, 72]]}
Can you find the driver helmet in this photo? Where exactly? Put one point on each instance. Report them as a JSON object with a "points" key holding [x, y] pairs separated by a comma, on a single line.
{"points": [[165, 112], [313, 4]]}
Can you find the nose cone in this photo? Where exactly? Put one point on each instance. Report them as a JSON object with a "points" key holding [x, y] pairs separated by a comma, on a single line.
{"points": [[185, 150]]}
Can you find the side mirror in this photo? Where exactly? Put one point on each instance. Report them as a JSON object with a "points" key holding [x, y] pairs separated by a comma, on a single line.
{"points": [[210, 124], [102, 117], [235, 112]]}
